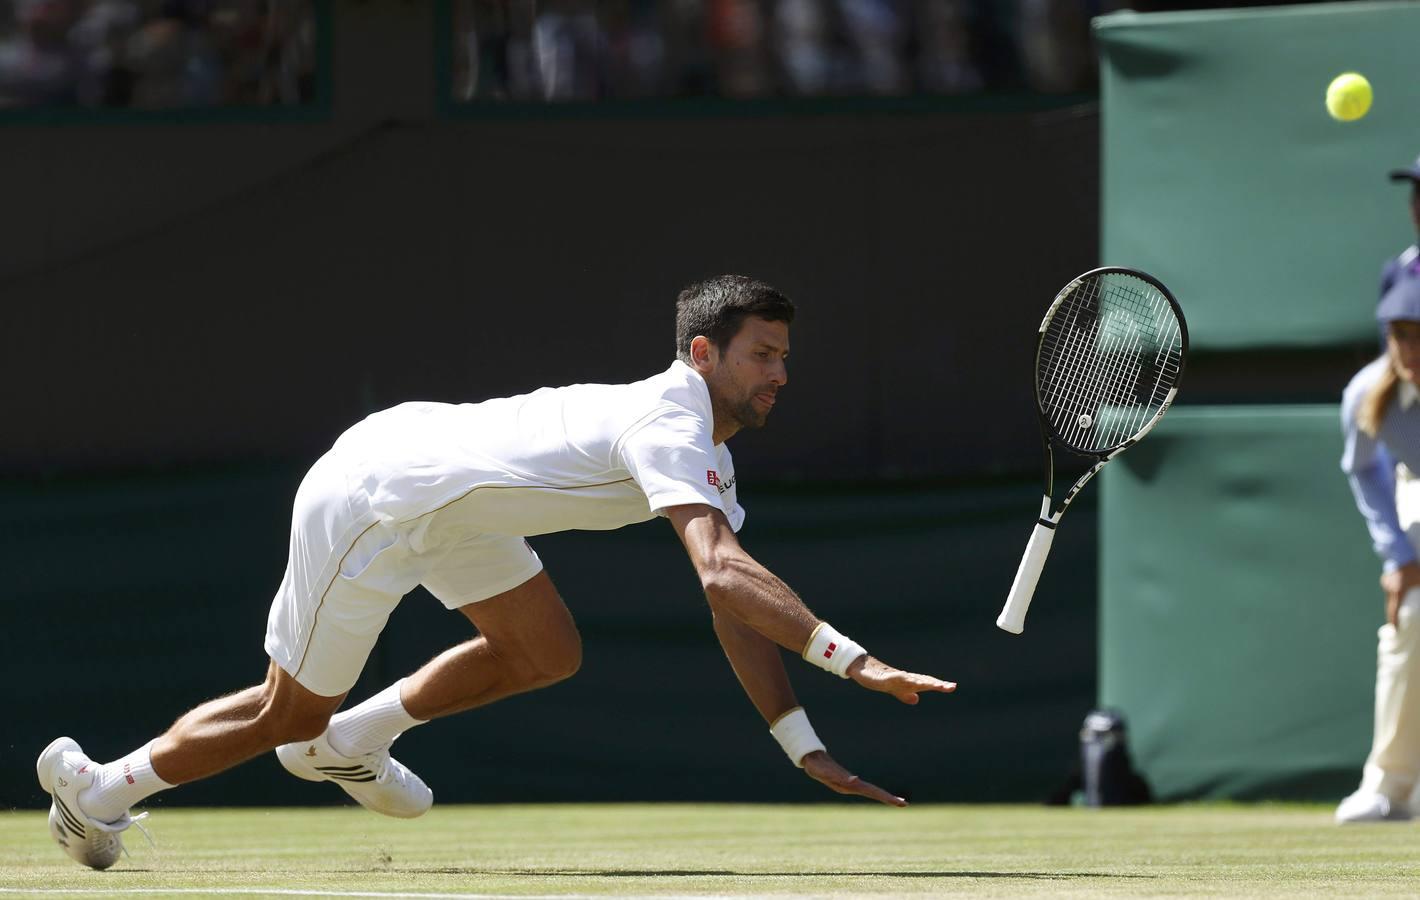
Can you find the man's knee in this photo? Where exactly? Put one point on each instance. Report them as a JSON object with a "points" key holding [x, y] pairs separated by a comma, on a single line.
{"points": [[531, 632], [289, 712], [282, 726], [567, 659], [556, 658]]}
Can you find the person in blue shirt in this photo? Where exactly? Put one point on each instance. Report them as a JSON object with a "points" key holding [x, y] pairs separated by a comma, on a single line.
{"points": [[1380, 417]]}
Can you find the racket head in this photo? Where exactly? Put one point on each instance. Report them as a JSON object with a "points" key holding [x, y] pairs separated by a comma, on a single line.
{"points": [[1109, 360]]}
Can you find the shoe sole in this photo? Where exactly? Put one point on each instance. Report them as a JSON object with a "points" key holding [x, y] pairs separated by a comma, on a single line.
{"points": [[50, 757]]}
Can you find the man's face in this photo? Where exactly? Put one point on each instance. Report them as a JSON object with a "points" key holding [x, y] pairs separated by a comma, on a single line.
{"points": [[749, 373], [1403, 344]]}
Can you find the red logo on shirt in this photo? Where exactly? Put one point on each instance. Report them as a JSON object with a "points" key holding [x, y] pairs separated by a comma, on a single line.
{"points": [[712, 477]]}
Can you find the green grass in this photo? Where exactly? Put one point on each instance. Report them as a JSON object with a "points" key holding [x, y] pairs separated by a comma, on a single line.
{"points": [[837, 849]]}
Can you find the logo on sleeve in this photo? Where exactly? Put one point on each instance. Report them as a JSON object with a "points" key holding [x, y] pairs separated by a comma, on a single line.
{"points": [[713, 478]]}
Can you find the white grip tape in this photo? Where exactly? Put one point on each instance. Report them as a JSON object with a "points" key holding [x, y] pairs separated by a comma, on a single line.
{"points": [[1013, 615], [794, 733], [831, 650]]}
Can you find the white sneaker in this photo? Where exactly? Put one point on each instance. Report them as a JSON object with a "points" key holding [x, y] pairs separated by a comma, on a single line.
{"points": [[63, 772], [376, 780], [1368, 806]]}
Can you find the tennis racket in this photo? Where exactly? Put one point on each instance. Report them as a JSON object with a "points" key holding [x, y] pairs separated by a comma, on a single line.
{"points": [[1107, 366]]}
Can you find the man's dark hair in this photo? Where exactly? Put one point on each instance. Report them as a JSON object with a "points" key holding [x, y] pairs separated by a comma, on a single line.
{"points": [[717, 307]]}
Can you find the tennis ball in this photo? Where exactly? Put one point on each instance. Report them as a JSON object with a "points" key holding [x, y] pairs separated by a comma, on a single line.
{"points": [[1348, 97]]}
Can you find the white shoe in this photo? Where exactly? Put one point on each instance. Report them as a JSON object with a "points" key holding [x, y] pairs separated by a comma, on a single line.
{"points": [[63, 772], [376, 780], [1368, 806]]}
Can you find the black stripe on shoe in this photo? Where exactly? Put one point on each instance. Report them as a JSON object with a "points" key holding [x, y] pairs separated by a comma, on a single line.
{"points": [[355, 770], [366, 777], [69, 818]]}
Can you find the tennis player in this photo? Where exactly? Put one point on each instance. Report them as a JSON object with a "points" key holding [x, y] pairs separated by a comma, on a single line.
{"points": [[445, 495]]}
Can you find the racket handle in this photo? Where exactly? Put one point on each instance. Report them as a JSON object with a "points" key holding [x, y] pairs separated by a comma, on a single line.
{"points": [[1013, 615]]}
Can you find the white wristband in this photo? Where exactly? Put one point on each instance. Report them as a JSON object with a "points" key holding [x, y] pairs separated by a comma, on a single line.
{"points": [[831, 650], [794, 733]]}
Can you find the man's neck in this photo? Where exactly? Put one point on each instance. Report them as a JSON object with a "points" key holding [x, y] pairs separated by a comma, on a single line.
{"points": [[721, 433]]}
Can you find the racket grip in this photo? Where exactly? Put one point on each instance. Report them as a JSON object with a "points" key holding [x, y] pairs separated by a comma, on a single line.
{"points": [[1013, 614]]}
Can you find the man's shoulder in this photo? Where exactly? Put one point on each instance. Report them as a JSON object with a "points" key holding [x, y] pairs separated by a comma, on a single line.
{"points": [[679, 386], [670, 407], [634, 398]]}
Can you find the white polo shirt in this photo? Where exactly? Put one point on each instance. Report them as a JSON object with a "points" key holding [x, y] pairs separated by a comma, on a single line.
{"points": [[587, 456]]}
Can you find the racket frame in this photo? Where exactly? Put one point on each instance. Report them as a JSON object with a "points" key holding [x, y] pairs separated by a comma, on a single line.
{"points": [[1012, 616], [1047, 433]]}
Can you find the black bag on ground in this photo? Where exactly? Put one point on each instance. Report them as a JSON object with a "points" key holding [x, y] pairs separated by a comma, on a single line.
{"points": [[1107, 773]]}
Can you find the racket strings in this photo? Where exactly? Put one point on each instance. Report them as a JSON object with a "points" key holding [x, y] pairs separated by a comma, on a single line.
{"points": [[1084, 386], [1110, 354], [1105, 366], [1099, 379]]}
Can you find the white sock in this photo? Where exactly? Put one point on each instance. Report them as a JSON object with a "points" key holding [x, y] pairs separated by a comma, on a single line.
{"points": [[120, 784], [371, 725]]}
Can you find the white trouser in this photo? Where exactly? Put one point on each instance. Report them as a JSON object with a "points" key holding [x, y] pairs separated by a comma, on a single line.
{"points": [[1393, 768]]}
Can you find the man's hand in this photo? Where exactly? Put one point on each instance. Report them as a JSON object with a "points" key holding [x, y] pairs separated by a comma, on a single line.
{"points": [[821, 767], [1396, 585], [905, 686]]}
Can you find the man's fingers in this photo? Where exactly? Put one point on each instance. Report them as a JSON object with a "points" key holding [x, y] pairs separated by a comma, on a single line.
{"points": [[876, 675], [856, 786], [822, 768], [909, 682], [862, 788], [928, 683]]}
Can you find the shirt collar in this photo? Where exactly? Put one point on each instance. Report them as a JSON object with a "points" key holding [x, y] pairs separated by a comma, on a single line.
{"points": [[1409, 394]]}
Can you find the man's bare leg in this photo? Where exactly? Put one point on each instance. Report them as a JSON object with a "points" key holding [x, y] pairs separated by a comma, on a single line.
{"points": [[213, 737], [527, 640], [221, 733]]}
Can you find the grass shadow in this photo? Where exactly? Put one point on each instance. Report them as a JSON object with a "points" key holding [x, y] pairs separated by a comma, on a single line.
{"points": [[734, 873]]}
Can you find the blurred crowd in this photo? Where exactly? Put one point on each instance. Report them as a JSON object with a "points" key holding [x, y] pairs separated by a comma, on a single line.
{"points": [[156, 54], [593, 49]]}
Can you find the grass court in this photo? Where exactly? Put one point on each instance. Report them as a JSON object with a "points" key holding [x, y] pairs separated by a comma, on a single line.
{"points": [[668, 850]]}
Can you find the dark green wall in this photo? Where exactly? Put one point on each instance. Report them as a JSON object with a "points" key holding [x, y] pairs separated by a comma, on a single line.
{"points": [[1239, 605]]}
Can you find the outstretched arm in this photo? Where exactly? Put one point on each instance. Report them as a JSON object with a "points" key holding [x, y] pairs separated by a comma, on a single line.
{"points": [[759, 665], [740, 587], [754, 611], [737, 585]]}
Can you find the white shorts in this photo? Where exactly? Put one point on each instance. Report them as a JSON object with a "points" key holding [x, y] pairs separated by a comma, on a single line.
{"points": [[347, 571]]}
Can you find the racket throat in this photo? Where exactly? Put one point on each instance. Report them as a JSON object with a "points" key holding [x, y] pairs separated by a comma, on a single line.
{"points": [[1048, 519]]}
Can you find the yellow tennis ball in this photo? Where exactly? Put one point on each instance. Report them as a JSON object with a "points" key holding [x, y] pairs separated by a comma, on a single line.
{"points": [[1348, 97]]}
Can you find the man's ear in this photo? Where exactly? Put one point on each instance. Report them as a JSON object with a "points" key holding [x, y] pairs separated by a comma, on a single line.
{"points": [[702, 354]]}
